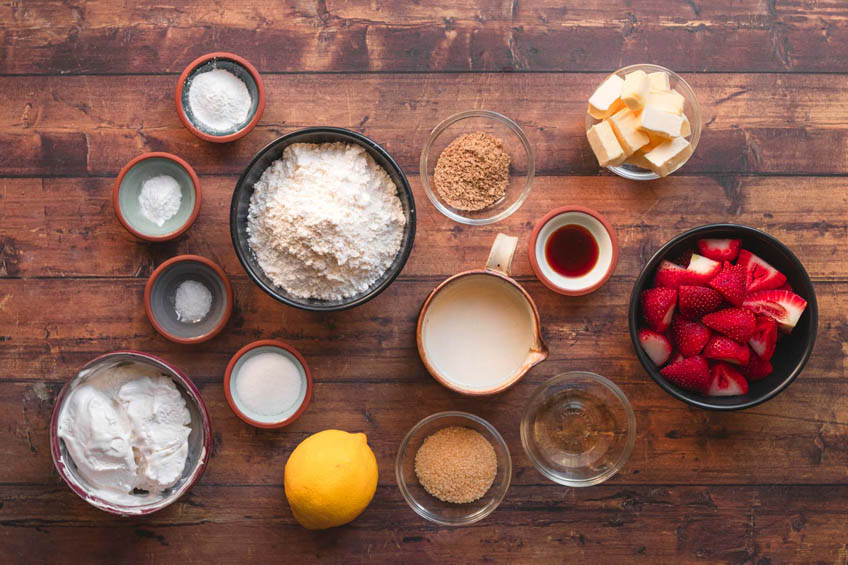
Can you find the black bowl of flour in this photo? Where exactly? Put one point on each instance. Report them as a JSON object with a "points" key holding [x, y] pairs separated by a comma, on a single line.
{"points": [[240, 206]]}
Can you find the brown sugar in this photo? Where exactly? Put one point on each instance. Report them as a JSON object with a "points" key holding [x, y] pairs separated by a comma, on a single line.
{"points": [[456, 464], [472, 172]]}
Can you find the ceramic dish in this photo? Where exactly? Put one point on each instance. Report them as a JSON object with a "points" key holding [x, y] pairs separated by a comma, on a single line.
{"points": [[793, 350], [691, 108], [522, 166], [241, 204], [286, 416], [602, 232], [127, 188], [200, 439], [161, 288], [593, 421], [496, 272], [239, 67], [430, 507]]}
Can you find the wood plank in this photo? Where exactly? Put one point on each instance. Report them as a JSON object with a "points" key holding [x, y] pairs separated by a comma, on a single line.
{"points": [[750, 36], [607, 523], [75, 232], [767, 123]]}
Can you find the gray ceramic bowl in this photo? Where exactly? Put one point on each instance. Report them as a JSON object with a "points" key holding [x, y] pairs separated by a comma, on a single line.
{"points": [[236, 65], [161, 288], [199, 441], [241, 204], [128, 187]]}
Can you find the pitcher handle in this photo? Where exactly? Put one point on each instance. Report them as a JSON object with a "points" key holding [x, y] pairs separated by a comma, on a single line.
{"points": [[503, 250]]}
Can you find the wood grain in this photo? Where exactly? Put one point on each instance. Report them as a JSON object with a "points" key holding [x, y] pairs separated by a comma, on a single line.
{"points": [[765, 123]]}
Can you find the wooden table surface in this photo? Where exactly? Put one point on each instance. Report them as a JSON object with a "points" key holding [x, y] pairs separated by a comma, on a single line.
{"points": [[85, 87]]}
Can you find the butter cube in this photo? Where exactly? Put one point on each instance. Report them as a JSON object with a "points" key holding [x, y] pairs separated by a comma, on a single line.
{"points": [[659, 122], [634, 91], [605, 101], [666, 157], [605, 145], [671, 101], [686, 127], [625, 123], [658, 81], [638, 160]]}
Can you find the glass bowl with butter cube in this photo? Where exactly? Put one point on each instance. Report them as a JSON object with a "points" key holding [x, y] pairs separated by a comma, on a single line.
{"points": [[643, 122]]}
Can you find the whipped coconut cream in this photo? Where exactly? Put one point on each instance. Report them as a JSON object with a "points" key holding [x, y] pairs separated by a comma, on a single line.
{"points": [[126, 429]]}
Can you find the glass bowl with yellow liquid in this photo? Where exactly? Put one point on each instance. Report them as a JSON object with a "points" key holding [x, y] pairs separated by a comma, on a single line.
{"points": [[578, 429]]}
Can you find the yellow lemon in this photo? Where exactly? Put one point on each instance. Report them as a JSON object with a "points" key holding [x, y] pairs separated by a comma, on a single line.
{"points": [[330, 478]]}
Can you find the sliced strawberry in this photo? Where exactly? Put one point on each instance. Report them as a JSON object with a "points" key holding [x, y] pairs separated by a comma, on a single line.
{"points": [[692, 374], [695, 301], [655, 345], [765, 337], [671, 275], [689, 337], [725, 349], [702, 269], [759, 274], [783, 306], [675, 357], [736, 323], [727, 381], [786, 286], [730, 283], [758, 368], [719, 249], [658, 306]]}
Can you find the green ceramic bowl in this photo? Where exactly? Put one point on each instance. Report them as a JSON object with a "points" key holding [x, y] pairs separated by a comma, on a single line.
{"points": [[128, 187]]}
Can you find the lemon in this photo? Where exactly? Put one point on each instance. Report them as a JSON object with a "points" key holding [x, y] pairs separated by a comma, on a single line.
{"points": [[330, 478]]}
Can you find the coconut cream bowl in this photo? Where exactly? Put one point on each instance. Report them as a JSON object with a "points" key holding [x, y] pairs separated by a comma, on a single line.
{"points": [[601, 231], [160, 295], [128, 185], [199, 441], [286, 415], [242, 69]]}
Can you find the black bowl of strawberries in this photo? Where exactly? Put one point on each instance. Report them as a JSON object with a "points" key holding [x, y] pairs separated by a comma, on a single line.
{"points": [[723, 317]]}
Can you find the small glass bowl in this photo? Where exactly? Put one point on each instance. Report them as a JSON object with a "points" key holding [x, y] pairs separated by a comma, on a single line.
{"points": [[521, 168], [591, 422], [691, 108], [430, 507]]}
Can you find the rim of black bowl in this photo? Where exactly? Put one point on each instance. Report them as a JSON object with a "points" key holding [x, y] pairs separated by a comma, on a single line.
{"points": [[351, 136], [704, 401]]}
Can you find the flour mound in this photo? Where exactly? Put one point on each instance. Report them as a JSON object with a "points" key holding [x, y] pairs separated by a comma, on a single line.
{"points": [[325, 221]]}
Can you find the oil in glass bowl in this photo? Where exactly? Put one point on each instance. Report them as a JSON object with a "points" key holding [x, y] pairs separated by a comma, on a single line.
{"points": [[578, 429]]}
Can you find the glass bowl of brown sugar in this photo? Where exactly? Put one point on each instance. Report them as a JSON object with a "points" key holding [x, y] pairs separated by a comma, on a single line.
{"points": [[477, 167]]}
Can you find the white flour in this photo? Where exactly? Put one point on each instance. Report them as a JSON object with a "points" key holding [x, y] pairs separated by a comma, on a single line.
{"points": [[325, 221], [219, 100]]}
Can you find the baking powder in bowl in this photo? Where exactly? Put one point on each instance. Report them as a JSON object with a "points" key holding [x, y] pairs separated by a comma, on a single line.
{"points": [[219, 100], [268, 384]]}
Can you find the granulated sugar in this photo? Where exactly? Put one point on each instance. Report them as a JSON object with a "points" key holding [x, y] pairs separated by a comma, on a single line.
{"points": [[325, 221], [456, 464]]}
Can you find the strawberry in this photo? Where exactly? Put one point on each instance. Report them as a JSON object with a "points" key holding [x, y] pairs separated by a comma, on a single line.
{"points": [[702, 269], [719, 249], [758, 368], [765, 337], [695, 301], [675, 357], [684, 258], [691, 373], [725, 349], [784, 306], [736, 323], [786, 286], [759, 274], [730, 283], [670, 275], [658, 306], [655, 345], [726, 381], [689, 337]]}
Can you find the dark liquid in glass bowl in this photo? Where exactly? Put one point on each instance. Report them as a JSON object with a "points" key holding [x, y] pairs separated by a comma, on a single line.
{"points": [[571, 251]]}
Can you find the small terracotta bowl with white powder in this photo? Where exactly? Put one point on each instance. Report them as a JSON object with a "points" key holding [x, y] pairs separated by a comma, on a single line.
{"points": [[268, 384], [157, 196], [220, 97], [188, 299]]}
